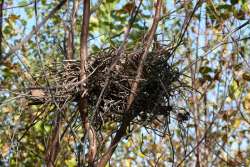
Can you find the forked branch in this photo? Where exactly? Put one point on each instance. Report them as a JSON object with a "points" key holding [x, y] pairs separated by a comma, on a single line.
{"points": [[126, 122], [151, 34]]}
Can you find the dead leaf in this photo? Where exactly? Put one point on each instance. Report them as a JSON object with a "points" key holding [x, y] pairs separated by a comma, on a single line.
{"points": [[246, 102], [5, 149], [37, 93]]}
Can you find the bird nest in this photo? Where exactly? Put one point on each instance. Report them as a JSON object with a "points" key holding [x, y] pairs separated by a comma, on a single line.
{"points": [[158, 84]]}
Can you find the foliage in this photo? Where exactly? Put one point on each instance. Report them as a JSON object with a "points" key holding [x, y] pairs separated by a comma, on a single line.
{"points": [[208, 44]]}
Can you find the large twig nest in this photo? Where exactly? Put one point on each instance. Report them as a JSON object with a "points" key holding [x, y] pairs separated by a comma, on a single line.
{"points": [[62, 85]]}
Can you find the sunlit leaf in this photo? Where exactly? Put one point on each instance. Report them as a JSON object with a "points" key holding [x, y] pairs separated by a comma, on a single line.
{"points": [[246, 103], [71, 162], [236, 123], [7, 109], [23, 2], [40, 147], [141, 155], [29, 12], [5, 149], [14, 17], [234, 90]]}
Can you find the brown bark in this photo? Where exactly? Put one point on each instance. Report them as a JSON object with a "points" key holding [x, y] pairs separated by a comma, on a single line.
{"points": [[54, 141], [1, 27], [54, 144], [118, 53], [83, 106], [151, 34], [71, 31]]}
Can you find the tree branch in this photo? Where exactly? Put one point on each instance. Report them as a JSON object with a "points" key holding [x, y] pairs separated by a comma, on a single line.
{"points": [[1, 27], [83, 106], [54, 144], [128, 118], [151, 33], [71, 31], [118, 53], [34, 30]]}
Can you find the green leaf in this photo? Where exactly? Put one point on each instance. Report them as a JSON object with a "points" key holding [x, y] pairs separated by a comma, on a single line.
{"points": [[245, 7], [225, 7], [71, 162], [56, 19], [44, 2], [205, 70], [23, 2], [38, 126], [24, 22], [47, 128], [7, 29], [233, 2], [234, 90], [110, 1], [29, 12]]}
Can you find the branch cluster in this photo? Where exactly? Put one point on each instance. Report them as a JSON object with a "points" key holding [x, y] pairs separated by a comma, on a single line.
{"points": [[158, 86]]}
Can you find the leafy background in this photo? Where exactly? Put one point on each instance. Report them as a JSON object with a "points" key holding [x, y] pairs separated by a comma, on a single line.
{"points": [[215, 59]]}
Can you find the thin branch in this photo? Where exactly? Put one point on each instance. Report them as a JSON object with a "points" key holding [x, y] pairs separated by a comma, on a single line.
{"points": [[152, 31], [126, 122], [118, 53], [96, 6], [216, 46], [1, 27], [186, 24], [54, 144], [34, 30], [207, 131], [19, 6], [83, 108], [71, 31]]}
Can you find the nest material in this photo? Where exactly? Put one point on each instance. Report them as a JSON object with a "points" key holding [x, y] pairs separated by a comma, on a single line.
{"points": [[152, 99]]}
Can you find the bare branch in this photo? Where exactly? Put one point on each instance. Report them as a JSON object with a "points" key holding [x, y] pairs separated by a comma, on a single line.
{"points": [[71, 31], [126, 122], [151, 33], [118, 53], [83, 75], [54, 145], [34, 30], [1, 27]]}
